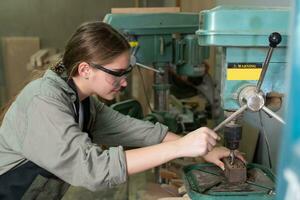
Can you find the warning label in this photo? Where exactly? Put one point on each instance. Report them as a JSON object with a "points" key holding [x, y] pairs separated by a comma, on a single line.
{"points": [[243, 71]]}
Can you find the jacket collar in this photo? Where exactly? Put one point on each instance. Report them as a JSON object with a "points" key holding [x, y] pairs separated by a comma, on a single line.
{"points": [[61, 81]]}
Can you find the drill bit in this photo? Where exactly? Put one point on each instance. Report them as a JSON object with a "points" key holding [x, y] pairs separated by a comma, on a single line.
{"points": [[232, 157]]}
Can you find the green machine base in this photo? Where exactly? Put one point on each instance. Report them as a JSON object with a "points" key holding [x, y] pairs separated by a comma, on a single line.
{"points": [[207, 182]]}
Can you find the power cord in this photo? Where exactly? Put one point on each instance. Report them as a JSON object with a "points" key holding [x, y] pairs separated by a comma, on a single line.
{"points": [[266, 139]]}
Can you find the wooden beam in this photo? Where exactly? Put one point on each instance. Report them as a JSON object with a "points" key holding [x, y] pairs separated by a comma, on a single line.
{"points": [[236, 172], [136, 3], [146, 10], [16, 55]]}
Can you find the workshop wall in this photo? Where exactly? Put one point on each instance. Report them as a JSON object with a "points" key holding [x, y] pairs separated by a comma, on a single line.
{"points": [[51, 21]]}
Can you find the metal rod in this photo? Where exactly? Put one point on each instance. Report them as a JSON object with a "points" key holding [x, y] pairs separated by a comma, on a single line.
{"points": [[231, 117], [134, 51], [232, 157], [149, 68], [264, 69], [270, 112]]}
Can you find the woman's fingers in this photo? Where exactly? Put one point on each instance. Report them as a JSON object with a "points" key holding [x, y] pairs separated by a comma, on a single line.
{"points": [[239, 155], [210, 147], [212, 134], [211, 140], [220, 164]]}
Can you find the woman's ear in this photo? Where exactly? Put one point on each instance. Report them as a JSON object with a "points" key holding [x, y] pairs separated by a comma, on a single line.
{"points": [[84, 70]]}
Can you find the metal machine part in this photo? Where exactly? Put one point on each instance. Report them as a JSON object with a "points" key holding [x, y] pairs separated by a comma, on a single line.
{"points": [[232, 137], [153, 42], [161, 88], [240, 56], [230, 118], [274, 39], [251, 97], [189, 56], [274, 100], [133, 62], [149, 68], [254, 100]]}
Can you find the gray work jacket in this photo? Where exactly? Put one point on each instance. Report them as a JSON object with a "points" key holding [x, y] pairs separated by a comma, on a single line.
{"points": [[40, 126]]}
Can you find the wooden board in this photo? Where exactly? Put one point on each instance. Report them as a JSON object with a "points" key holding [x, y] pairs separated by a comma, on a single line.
{"points": [[16, 55], [146, 10], [138, 91], [196, 5]]}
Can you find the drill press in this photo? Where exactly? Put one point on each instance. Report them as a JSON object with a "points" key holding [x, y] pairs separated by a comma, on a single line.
{"points": [[240, 50]]}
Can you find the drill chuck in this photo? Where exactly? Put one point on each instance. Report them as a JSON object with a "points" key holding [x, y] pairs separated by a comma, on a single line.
{"points": [[232, 136]]}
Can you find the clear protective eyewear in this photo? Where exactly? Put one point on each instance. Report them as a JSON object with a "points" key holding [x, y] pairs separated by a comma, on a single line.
{"points": [[118, 77]]}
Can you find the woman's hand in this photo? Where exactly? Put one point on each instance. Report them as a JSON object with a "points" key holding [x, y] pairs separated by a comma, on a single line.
{"points": [[218, 153], [197, 143]]}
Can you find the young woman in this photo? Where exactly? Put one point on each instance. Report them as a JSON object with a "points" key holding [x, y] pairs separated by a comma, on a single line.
{"points": [[53, 126]]}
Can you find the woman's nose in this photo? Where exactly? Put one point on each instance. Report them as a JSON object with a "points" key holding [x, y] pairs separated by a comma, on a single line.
{"points": [[123, 82]]}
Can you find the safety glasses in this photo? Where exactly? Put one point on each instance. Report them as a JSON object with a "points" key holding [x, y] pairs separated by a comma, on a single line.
{"points": [[111, 72], [118, 77]]}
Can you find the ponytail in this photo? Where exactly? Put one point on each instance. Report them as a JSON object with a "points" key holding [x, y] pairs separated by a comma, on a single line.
{"points": [[59, 68]]}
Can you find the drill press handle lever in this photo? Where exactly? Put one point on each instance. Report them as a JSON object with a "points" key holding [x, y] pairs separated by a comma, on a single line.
{"points": [[134, 62], [272, 114], [274, 40], [230, 118]]}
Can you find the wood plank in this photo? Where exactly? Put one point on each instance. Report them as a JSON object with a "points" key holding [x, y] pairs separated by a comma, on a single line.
{"points": [[137, 88], [146, 10], [196, 5], [16, 55]]}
